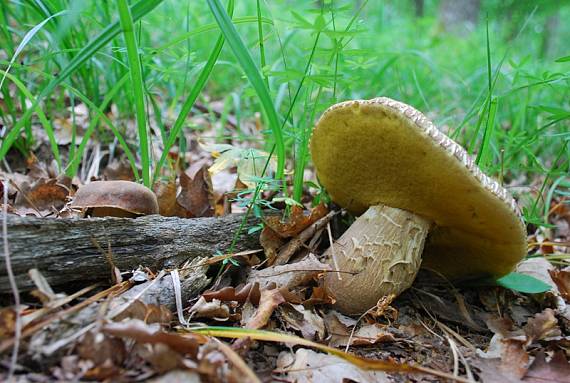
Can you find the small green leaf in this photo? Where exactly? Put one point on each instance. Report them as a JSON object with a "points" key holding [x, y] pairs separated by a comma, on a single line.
{"points": [[254, 229], [523, 283]]}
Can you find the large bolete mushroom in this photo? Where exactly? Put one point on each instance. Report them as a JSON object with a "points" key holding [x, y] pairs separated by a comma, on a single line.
{"points": [[422, 197], [115, 199]]}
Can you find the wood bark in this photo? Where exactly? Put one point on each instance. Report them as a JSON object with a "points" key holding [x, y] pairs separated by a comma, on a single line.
{"points": [[73, 250]]}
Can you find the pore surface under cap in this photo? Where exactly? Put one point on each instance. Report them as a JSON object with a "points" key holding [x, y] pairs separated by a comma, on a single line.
{"points": [[382, 151]]}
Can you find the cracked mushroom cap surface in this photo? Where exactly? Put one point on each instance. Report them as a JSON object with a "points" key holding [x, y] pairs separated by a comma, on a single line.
{"points": [[381, 151], [112, 197]]}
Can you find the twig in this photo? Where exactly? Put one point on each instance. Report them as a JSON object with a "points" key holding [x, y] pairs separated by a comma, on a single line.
{"points": [[61, 314], [13, 285], [287, 251], [333, 253]]}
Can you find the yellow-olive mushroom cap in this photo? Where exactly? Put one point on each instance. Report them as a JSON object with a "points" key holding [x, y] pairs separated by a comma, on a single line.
{"points": [[108, 196], [381, 151]]}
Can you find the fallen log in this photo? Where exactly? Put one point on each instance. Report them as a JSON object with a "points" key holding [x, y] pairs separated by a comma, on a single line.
{"points": [[71, 250]]}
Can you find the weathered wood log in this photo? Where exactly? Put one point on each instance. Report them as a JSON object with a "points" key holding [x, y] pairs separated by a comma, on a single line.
{"points": [[71, 250]]}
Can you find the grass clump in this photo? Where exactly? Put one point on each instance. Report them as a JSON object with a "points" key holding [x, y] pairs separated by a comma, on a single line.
{"points": [[500, 88]]}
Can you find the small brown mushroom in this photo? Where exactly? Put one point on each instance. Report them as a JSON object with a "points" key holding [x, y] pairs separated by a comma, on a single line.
{"points": [[115, 199], [386, 158]]}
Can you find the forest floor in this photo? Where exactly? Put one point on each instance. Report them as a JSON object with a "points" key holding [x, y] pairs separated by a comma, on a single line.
{"points": [[242, 316]]}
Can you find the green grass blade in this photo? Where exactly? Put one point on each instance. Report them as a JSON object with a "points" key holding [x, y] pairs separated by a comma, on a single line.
{"points": [[27, 38], [208, 28], [192, 96], [484, 154], [261, 43], [73, 165], [41, 116], [138, 10], [137, 87], [246, 62], [486, 136]]}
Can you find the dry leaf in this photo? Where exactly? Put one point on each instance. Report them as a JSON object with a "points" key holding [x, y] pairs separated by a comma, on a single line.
{"points": [[543, 325], [119, 170], [319, 296], [246, 293], [160, 356], [44, 194], [166, 196], [539, 268], [308, 366], [514, 358], [269, 301], [100, 348], [196, 195], [271, 242], [142, 333], [297, 221], [148, 313], [562, 280], [307, 321], [555, 371], [340, 332], [291, 275], [7, 322], [214, 309], [178, 376]]}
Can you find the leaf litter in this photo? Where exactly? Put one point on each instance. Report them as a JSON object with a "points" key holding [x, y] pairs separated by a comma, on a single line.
{"points": [[153, 326]]}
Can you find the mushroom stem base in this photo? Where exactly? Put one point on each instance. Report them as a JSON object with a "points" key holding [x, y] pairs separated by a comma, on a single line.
{"points": [[379, 255]]}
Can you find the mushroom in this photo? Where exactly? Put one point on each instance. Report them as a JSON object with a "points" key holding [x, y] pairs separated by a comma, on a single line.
{"points": [[422, 197], [115, 199]]}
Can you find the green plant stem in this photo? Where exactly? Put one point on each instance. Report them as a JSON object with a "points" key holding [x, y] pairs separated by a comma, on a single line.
{"points": [[137, 88]]}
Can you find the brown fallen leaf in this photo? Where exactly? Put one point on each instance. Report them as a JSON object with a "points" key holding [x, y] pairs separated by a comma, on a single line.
{"points": [[213, 309], [370, 334], [543, 325], [268, 302], [44, 194], [340, 331], [119, 170], [196, 196], [142, 333], [307, 366], [178, 376], [319, 296], [514, 358], [562, 280], [290, 275], [148, 313], [7, 322], [310, 234], [161, 357], [297, 221], [101, 349], [247, 293], [555, 371], [306, 320], [166, 196], [271, 242]]}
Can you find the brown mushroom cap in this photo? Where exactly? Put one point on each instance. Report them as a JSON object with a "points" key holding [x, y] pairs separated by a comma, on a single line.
{"points": [[114, 197], [380, 151]]}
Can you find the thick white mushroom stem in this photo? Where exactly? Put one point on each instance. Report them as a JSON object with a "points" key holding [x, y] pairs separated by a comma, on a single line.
{"points": [[379, 255]]}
